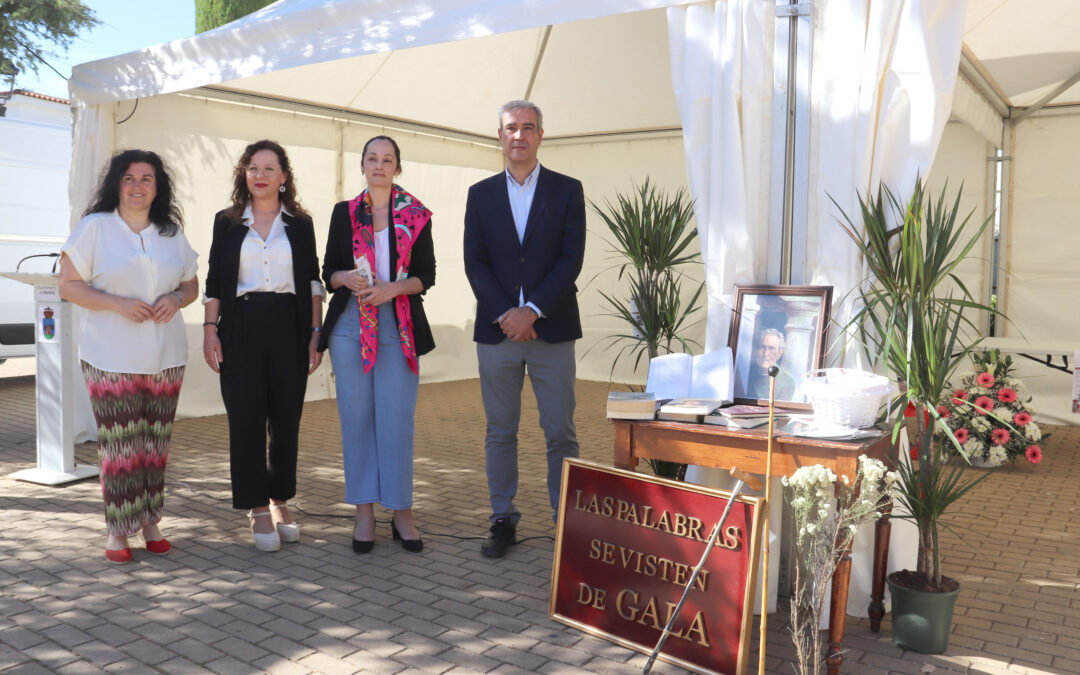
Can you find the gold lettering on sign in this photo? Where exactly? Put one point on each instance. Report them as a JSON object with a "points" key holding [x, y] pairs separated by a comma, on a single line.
{"points": [[646, 564], [628, 606], [643, 515]]}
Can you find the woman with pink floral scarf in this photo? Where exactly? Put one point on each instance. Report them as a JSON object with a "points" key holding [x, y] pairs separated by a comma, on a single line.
{"points": [[379, 260]]}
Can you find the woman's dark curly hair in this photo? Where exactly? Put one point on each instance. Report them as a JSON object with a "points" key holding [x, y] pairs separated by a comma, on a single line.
{"points": [[165, 213], [240, 194]]}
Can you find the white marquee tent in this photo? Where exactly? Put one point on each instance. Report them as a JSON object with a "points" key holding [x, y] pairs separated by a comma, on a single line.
{"points": [[695, 94], [682, 92]]}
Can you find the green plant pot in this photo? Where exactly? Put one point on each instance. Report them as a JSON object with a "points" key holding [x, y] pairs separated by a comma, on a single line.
{"points": [[921, 621]]}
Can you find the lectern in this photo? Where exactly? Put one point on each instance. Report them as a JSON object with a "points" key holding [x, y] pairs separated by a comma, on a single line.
{"points": [[56, 400]]}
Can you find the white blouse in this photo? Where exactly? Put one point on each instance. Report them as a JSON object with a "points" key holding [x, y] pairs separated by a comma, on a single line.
{"points": [[112, 258], [382, 255], [266, 266]]}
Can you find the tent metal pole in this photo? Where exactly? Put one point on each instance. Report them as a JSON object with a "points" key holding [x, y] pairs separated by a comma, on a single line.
{"points": [[972, 70], [330, 112], [339, 164], [537, 61], [791, 121], [1038, 105], [1008, 139]]}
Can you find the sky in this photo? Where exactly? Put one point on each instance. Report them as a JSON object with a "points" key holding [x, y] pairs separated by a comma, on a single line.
{"points": [[126, 26]]}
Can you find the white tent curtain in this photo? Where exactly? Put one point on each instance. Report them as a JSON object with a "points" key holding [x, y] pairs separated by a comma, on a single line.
{"points": [[882, 83], [721, 72], [883, 77]]}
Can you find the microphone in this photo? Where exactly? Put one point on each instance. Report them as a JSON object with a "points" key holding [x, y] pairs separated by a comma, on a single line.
{"points": [[773, 371], [38, 255]]}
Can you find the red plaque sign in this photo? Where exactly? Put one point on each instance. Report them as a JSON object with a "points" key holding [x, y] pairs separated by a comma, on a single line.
{"points": [[626, 546]]}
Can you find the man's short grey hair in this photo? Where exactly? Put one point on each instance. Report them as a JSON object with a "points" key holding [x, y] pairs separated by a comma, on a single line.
{"points": [[521, 104], [781, 342]]}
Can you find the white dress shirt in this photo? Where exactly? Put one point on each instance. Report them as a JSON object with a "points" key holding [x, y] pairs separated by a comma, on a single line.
{"points": [[521, 199], [266, 266], [111, 257]]}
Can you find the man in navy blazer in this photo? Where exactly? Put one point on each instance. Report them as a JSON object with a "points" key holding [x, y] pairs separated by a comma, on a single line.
{"points": [[524, 246]]}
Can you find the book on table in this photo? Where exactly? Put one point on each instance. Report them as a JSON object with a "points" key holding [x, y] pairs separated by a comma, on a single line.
{"points": [[735, 422], [743, 416], [686, 409], [631, 405], [686, 376]]}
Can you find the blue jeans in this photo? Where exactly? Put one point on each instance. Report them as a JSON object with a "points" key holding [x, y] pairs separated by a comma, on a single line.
{"points": [[376, 411]]}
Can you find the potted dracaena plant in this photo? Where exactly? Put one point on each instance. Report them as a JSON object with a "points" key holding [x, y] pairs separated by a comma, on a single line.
{"points": [[913, 324], [651, 232]]}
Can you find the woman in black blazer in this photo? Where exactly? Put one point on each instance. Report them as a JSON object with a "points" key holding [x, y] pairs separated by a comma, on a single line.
{"points": [[262, 320], [379, 260]]}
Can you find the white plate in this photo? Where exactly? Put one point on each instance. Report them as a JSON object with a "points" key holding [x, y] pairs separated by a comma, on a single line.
{"points": [[807, 429]]}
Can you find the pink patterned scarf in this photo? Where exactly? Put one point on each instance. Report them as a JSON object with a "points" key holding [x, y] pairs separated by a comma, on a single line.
{"points": [[409, 217]]}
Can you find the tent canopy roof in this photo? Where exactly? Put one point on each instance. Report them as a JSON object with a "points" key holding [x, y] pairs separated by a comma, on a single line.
{"points": [[1027, 48], [401, 59]]}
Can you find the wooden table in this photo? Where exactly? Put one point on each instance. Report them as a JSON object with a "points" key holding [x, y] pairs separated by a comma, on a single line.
{"points": [[721, 447]]}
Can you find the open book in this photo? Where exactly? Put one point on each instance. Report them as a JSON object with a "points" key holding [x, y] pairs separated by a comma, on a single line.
{"points": [[702, 376]]}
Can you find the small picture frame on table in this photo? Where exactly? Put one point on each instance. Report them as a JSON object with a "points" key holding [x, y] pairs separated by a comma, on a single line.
{"points": [[785, 326]]}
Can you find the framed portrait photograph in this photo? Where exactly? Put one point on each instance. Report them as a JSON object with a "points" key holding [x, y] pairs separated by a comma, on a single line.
{"points": [[783, 326]]}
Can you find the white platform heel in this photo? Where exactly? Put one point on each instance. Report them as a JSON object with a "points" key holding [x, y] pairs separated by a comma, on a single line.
{"points": [[288, 532], [264, 541]]}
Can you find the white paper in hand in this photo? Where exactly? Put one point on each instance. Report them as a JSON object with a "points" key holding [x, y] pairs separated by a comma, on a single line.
{"points": [[363, 268]]}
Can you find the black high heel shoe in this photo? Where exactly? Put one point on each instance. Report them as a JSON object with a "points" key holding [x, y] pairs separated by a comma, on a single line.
{"points": [[410, 545], [361, 546]]}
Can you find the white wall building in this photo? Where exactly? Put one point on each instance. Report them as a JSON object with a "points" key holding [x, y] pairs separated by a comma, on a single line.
{"points": [[35, 155]]}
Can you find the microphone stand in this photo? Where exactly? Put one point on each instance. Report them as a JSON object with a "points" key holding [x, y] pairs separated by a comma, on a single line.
{"points": [[773, 371]]}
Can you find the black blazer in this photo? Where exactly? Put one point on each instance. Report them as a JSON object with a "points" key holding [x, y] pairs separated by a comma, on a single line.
{"points": [[339, 256], [545, 264], [224, 271]]}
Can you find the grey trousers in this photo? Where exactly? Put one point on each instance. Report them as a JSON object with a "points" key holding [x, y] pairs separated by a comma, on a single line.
{"points": [[551, 368]]}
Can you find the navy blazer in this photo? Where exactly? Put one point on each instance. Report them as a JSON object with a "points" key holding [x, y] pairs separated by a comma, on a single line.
{"points": [[339, 256], [224, 271], [545, 264]]}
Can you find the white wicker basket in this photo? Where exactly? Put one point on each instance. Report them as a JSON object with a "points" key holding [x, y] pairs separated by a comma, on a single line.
{"points": [[846, 397]]}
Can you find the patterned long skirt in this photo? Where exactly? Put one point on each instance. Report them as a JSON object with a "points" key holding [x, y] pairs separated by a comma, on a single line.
{"points": [[134, 415]]}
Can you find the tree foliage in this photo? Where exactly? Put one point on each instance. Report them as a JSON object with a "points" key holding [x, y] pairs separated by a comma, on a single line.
{"points": [[210, 14], [31, 30]]}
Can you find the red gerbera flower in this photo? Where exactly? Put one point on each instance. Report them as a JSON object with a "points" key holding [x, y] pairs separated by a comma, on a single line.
{"points": [[961, 435], [984, 380], [1022, 419], [1000, 436], [1033, 454], [984, 404], [943, 411], [1007, 395], [959, 396]]}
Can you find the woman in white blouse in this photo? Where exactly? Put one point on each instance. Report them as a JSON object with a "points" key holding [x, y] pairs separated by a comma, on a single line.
{"points": [[263, 313], [128, 264]]}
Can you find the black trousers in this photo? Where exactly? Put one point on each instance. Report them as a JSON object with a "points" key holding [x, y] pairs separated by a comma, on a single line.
{"points": [[263, 379]]}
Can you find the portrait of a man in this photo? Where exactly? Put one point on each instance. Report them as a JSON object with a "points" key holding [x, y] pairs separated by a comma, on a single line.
{"points": [[780, 326], [768, 351]]}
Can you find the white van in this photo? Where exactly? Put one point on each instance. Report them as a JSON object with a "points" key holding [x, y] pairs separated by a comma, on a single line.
{"points": [[35, 156]]}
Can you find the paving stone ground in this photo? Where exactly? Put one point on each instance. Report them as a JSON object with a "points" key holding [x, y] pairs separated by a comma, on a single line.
{"points": [[216, 605]]}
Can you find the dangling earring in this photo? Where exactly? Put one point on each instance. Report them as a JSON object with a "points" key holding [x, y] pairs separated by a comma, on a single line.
{"points": [[281, 188]]}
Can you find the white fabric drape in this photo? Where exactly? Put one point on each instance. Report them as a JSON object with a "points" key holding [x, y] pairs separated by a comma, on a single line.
{"points": [[883, 77], [93, 142], [721, 72]]}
